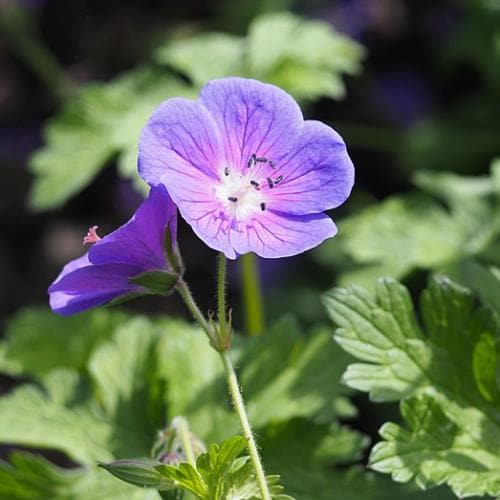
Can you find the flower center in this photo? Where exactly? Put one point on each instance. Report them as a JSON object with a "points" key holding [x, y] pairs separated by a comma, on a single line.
{"points": [[239, 196], [244, 194]]}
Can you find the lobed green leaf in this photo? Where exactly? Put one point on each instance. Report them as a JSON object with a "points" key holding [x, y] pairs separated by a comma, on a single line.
{"points": [[443, 369]]}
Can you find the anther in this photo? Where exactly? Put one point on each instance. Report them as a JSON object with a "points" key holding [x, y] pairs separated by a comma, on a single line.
{"points": [[232, 198], [272, 164], [252, 161], [255, 184], [270, 182], [278, 180], [226, 171], [262, 206], [261, 159]]}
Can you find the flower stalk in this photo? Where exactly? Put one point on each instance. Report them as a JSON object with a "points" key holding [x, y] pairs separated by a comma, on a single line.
{"points": [[221, 292], [184, 291], [234, 388], [253, 304], [239, 406], [185, 436], [219, 336]]}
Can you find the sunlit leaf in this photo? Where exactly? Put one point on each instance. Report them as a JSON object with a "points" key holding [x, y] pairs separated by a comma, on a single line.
{"points": [[103, 120], [30, 477], [205, 56], [37, 340], [306, 58], [450, 405]]}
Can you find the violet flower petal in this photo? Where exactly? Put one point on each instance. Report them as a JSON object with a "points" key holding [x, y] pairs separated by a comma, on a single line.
{"points": [[210, 224], [253, 118], [182, 136], [140, 241], [276, 235], [80, 288], [317, 175]]}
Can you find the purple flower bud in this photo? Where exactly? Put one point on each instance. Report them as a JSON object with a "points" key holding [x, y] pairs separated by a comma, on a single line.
{"points": [[106, 272]]}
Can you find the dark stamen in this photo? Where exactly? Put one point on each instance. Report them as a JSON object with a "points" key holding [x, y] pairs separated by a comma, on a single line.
{"points": [[255, 184], [262, 206], [278, 180], [261, 159], [232, 198], [272, 164], [226, 171], [270, 182], [252, 161]]}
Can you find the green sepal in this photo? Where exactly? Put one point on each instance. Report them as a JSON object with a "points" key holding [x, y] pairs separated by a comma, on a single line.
{"points": [[172, 253], [140, 472], [156, 282]]}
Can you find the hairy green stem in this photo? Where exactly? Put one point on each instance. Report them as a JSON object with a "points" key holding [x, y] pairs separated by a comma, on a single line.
{"points": [[234, 388], [221, 293], [253, 304], [185, 435], [188, 298], [239, 406], [232, 380]]}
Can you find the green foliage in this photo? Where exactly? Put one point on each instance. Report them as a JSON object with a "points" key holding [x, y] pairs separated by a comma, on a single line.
{"points": [[414, 231], [136, 375], [306, 58], [112, 409], [485, 281], [285, 375], [304, 453], [140, 472], [205, 56], [156, 282], [298, 381], [30, 477], [34, 339], [221, 473], [90, 418], [444, 370], [396, 236], [472, 127], [103, 120], [476, 40]]}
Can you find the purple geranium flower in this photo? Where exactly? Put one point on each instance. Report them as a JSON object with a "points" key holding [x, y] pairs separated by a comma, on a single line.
{"points": [[107, 270], [245, 169]]}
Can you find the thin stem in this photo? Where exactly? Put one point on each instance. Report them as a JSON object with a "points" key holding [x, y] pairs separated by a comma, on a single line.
{"points": [[234, 388], [188, 298], [239, 406], [232, 380], [221, 292], [253, 304], [185, 435]]}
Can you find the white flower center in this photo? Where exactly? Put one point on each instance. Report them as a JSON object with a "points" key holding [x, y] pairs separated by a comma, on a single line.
{"points": [[239, 194]]}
